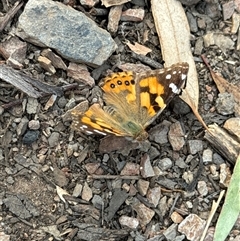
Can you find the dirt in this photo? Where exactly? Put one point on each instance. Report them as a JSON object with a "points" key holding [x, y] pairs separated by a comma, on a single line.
{"points": [[91, 166]]}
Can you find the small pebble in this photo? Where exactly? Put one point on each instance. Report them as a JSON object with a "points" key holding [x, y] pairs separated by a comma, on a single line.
{"points": [[129, 222], [225, 175], [97, 202], [62, 102], [217, 159], [176, 136], [133, 15], [144, 214], [146, 167], [207, 156], [10, 180], [165, 163], [32, 106], [159, 133], [192, 226], [34, 124], [171, 232], [53, 140], [77, 190], [195, 146], [189, 204], [213, 170], [22, 126], [176, 217], [225, 104], [153, 195], [30, 137], [202, 188], [142, 186], [86, 192], [130, 169], [233, 126]]}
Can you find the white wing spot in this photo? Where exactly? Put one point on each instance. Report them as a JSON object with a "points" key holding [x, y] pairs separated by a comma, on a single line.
{"points": [[184, 76], [99, 132], [89, 132], [174, 72], [168, 76], [174, 88], [83, 127]]}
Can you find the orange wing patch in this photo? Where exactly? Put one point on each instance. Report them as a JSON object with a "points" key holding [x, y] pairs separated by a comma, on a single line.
{"points": [[153, 85], [119, 82], [150, 93]]}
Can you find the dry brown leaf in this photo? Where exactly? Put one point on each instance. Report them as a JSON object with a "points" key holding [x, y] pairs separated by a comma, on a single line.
{"points": [[138, 48], [174, 36], [109, 3], [224, 86]]}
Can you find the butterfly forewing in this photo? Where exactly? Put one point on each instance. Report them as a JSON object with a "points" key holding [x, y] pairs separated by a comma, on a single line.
{"points": [[157, 88]]}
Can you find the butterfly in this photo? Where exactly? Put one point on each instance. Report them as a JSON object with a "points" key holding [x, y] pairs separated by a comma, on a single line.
{"points": [[132, 102]]}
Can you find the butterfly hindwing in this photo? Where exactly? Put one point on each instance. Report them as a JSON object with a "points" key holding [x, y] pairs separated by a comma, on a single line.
{"points": [[96, 121]]}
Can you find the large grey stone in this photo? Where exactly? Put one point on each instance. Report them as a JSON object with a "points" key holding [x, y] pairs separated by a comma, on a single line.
{"points": [[73, 35]]}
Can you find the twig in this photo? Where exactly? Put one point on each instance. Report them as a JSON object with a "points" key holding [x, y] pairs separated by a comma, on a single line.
{"points": [[213, 210], [30, 86], [69, 87], [4, 20], [99, 12], [26, 222], [93, 176], [174, 204], [11, 104], [147, 60], [225, 144]]}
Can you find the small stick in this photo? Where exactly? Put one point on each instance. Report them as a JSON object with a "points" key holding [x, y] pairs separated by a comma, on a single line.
{"points": [[99, 12], [11, 104], [4, 20], [93, 176], [147, 60]]}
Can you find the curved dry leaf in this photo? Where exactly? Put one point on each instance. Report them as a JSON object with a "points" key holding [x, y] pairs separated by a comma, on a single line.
{"points": [[138, 48], [223, 85], [174, 36]]}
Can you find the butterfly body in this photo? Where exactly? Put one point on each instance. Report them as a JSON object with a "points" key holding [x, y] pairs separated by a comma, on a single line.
{"points": [[132, 101]]}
